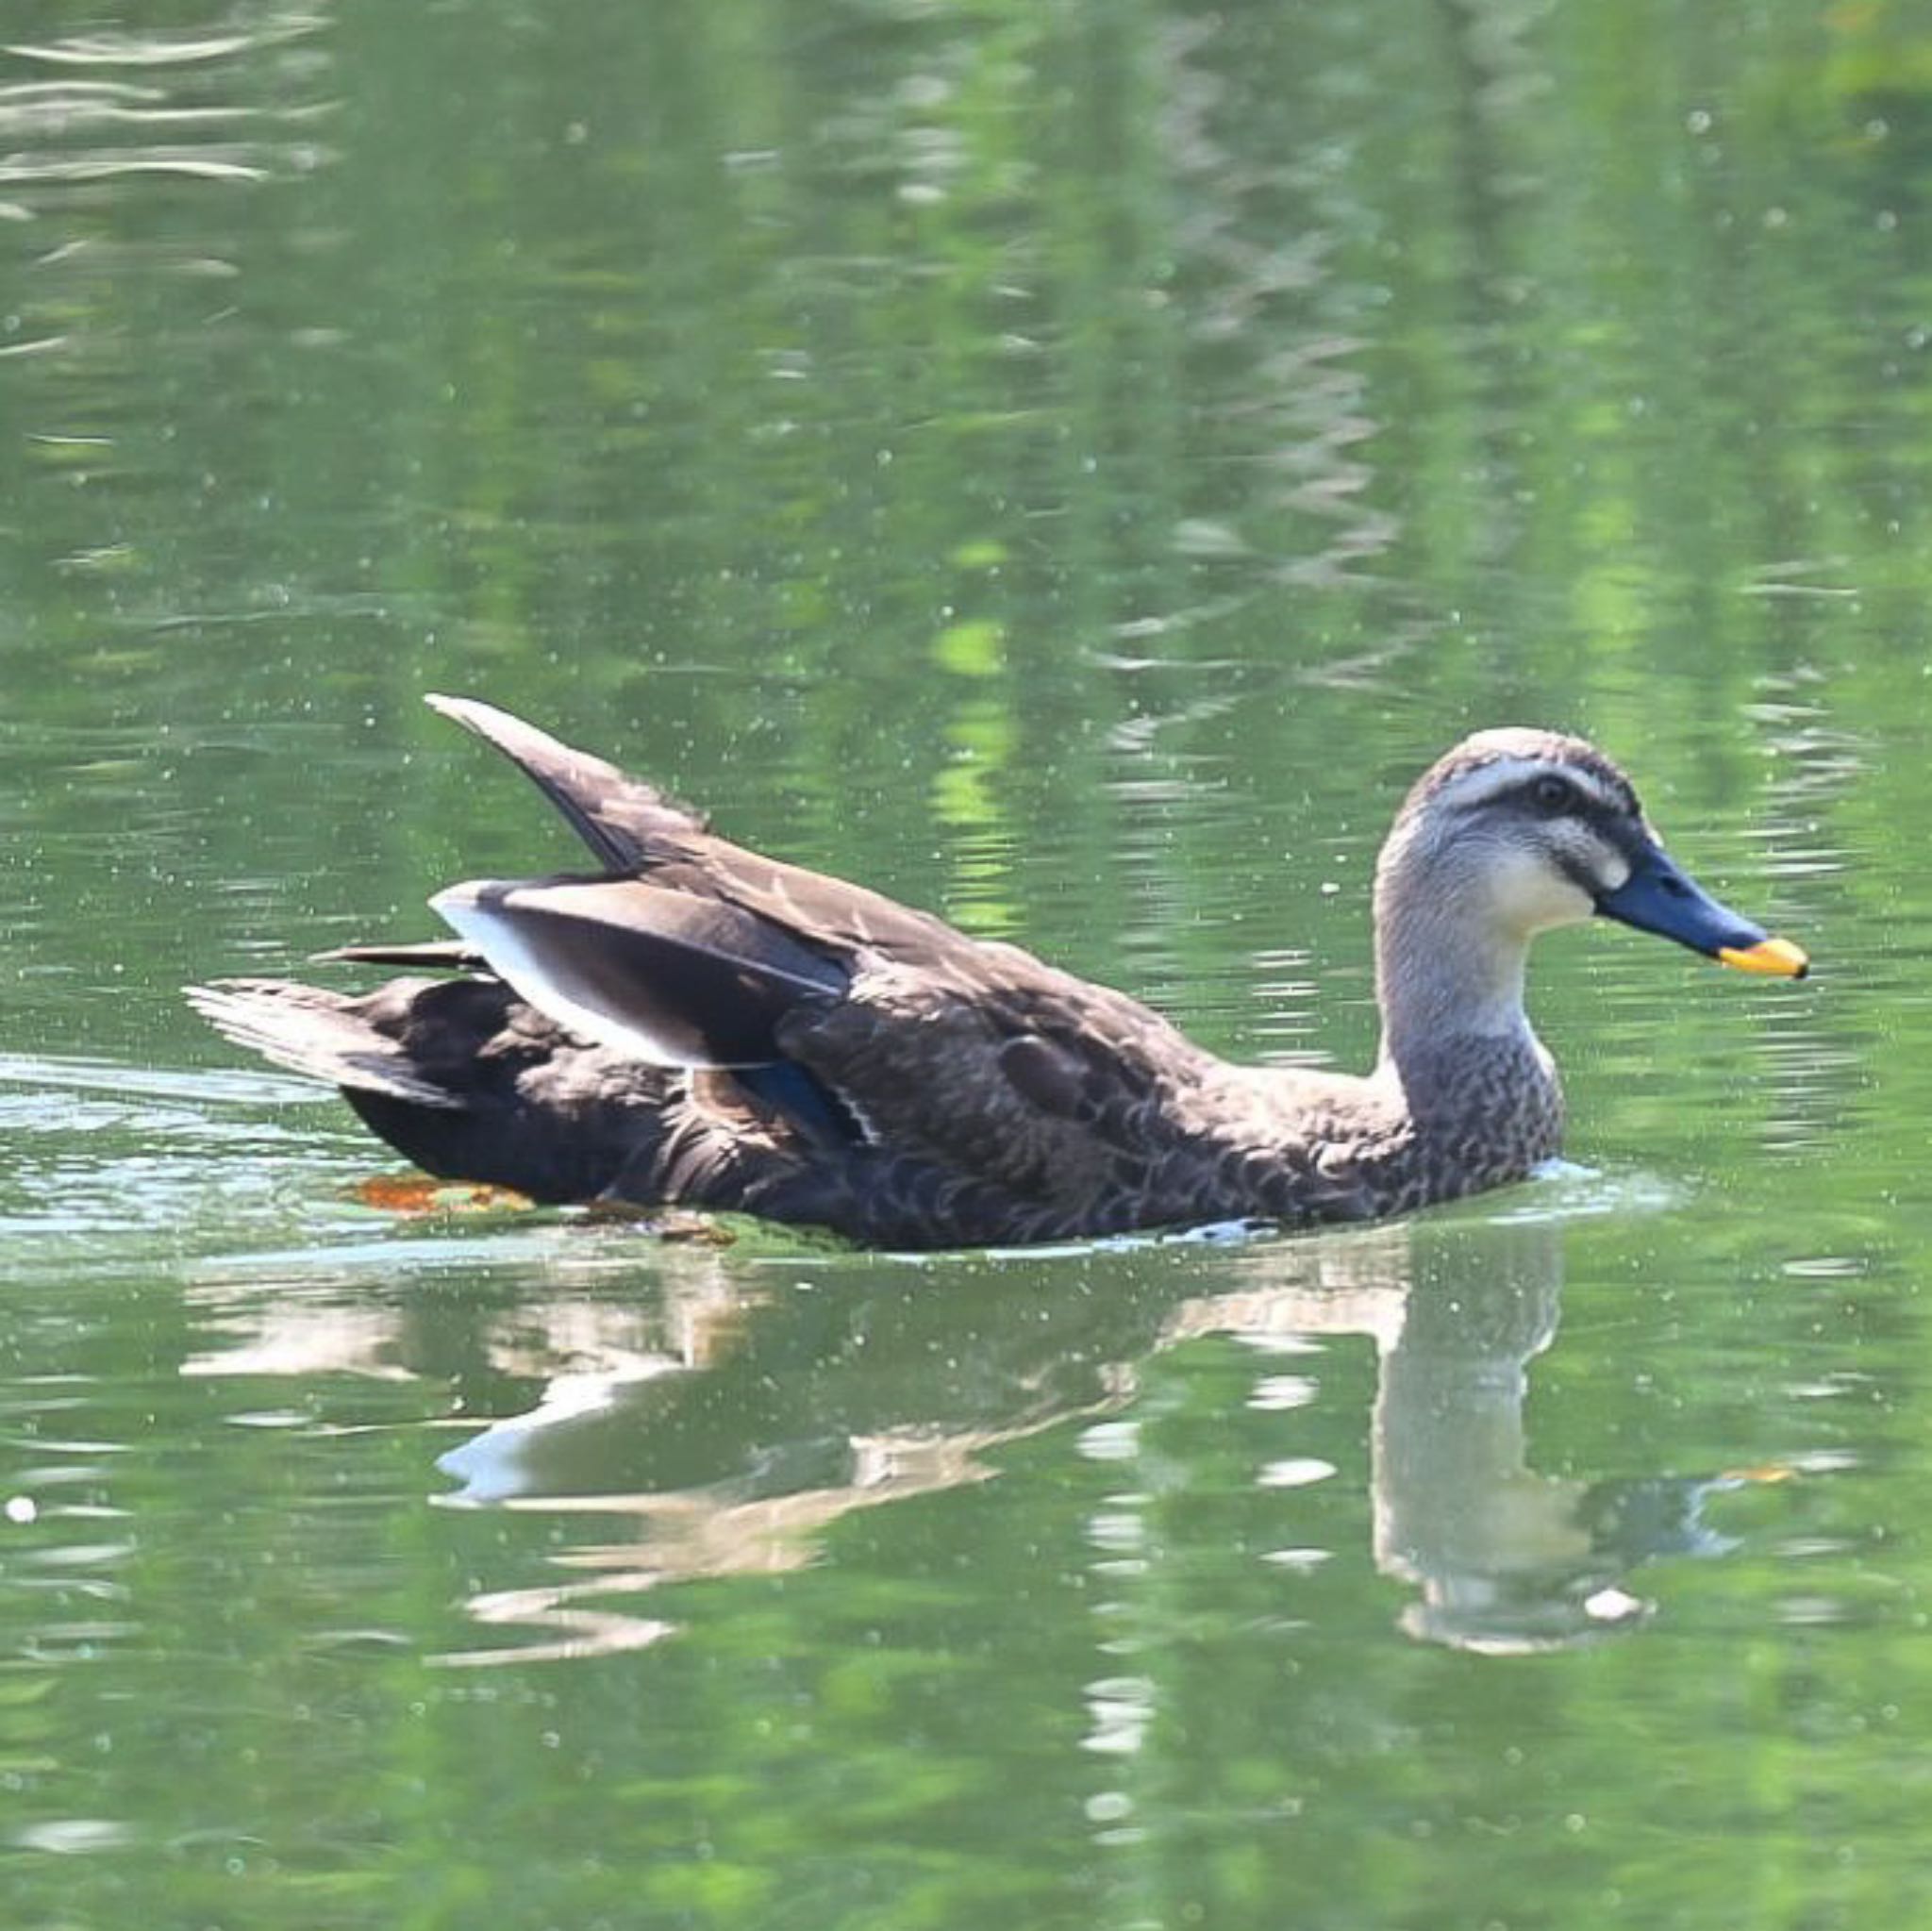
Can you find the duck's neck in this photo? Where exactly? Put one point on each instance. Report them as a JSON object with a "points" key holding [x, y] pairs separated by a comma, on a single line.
{"points": [[1448, 983]]}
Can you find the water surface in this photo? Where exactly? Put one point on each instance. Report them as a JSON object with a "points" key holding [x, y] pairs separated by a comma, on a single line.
{"points": [[1072, 467]]}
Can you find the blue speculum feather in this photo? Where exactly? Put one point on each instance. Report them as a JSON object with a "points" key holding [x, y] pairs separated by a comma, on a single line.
{"points": [[790, 1090]]}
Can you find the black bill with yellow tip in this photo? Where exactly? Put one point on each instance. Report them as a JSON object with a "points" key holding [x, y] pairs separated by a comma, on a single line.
{"points": [[1657, 897]]}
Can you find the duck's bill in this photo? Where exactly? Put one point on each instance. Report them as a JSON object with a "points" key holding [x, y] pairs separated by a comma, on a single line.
{"points": [[1657, 897]]}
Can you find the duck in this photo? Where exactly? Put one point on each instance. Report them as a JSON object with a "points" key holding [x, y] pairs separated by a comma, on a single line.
{"points": [[692, 1025]]}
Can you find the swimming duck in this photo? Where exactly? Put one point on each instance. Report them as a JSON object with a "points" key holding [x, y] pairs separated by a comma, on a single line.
{"points": [[694, 1024]]}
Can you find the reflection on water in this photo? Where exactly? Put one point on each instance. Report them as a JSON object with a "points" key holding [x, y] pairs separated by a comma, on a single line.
{"points": [[104, 104], [1506, 1558], [80, 115], [728, 1425]]}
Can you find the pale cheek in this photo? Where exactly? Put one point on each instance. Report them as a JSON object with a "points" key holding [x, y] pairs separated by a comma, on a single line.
{"points": [[1530, 898]]}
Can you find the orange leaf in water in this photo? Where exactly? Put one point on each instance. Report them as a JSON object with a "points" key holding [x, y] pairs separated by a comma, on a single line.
{"points": [[419, 1193], [1765, 1472]]}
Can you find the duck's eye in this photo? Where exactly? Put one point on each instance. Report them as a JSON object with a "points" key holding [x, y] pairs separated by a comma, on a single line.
{"points": [[1552, 795]]}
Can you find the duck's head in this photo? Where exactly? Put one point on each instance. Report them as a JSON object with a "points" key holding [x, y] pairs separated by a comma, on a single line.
{"points": [[1515, 832]]}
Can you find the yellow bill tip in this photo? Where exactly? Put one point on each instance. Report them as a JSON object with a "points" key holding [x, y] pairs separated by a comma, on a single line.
{"points": [[1779, 957]]}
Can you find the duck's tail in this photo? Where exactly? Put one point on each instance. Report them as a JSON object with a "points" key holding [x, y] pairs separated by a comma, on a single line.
{"points": [[319, 1034], [459, 1076]]}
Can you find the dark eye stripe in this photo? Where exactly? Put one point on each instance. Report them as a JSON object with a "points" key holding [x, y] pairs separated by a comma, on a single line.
{"points": [[1578, 874], [1576, 801]]}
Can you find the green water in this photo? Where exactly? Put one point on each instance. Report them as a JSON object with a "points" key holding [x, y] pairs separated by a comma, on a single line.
{"points": [[1070, 465]]}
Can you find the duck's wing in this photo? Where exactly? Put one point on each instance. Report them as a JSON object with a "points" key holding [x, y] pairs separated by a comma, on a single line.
{"points": [[630, 824], [431, 954], [666, 977], [976, 1057], [637, 831], [848, 1014], [998, 1066]]}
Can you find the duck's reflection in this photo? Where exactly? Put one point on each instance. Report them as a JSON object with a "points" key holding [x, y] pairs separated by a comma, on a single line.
{"points": [[728, 1422], [1502, 1557]]}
